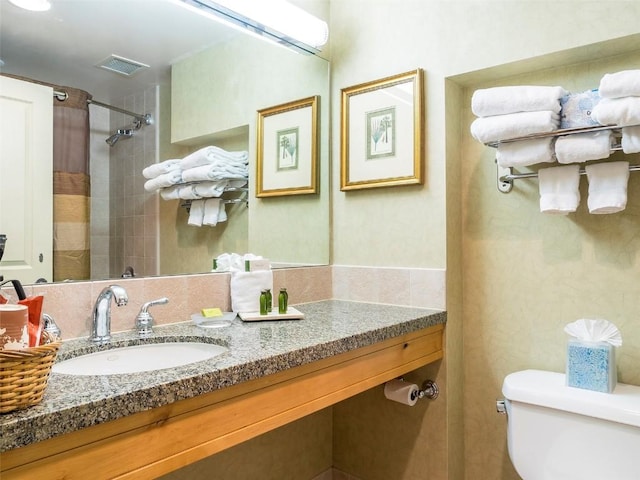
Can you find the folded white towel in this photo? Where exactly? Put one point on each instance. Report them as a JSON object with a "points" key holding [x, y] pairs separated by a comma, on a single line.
{"points": [[170, 193], [607, 186], [525, 152], [246, 287], [164, 180], [187, 192], [222, 212], [211, 189], [152, 171], [631, 139], [504, 127], [211, 211], [525, 98], [196, 213], [620, 84], [559, 189], [623, 112], [208, 155], [213, 172], [583, 147]]}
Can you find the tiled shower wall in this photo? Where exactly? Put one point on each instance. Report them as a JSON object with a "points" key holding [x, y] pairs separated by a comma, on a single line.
{"points": [[134, 212], [99, 171]]}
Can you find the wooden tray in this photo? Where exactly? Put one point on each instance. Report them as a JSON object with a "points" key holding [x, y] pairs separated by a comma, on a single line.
{"points": [[292, 314]]}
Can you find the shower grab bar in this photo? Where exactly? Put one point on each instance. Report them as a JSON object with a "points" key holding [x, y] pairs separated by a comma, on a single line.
{"points": [[146, 118]]}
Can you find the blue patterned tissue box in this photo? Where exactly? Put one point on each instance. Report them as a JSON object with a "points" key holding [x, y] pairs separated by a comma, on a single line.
{"points": [[591, 365], [576, 109]]}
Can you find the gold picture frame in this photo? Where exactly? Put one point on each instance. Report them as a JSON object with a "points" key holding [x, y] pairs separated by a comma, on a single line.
{"points": [[382, 132], [287, 137]]}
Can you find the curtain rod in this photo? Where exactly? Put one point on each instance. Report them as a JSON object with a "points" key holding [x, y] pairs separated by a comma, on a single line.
{"points": [[146, 118]]}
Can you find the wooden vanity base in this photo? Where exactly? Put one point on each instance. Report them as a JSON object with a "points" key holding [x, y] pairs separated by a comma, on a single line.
{"points": [[149, 444]]}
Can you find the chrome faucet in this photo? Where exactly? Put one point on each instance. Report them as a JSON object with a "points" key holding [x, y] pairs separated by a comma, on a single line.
{"points": [[144, 320], [101, 323]]}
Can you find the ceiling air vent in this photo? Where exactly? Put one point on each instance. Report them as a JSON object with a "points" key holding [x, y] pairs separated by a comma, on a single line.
{"points": [[121, 65]]}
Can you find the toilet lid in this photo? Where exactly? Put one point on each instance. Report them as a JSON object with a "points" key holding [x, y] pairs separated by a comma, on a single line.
{"points": [[548, 389]]}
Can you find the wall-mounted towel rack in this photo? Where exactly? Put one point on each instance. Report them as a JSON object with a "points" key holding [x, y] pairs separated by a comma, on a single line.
{"points": [[506, 175], [187, 203]]}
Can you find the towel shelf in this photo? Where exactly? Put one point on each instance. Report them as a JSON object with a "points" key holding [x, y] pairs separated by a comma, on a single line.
{"points": [[506, 176], [617, 130]]}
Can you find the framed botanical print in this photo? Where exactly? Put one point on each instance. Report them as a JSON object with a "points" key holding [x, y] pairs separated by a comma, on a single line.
{"points": [[382, 132], [287, 137]]}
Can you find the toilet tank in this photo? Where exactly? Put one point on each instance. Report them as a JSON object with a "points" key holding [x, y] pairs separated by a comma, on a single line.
{"points": [[557, 432]]}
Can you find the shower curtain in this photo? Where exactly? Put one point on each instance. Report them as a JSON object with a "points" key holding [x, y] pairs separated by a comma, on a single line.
{"points": [[71, 186], [71, 183]]}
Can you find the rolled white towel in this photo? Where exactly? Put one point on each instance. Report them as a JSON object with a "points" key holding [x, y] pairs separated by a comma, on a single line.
{"points": [[196, 213], [170, 193], [164, 180], [525, 152], [583, 147], [623, 112], [559, 189], [512, 99], [209, 154], [631, 139], [505, 127], [211, 210], [620, 84], [607, 187], [152, 171], [246, 287]]}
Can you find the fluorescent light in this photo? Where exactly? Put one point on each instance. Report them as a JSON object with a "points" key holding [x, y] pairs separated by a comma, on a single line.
{"points": [[33, 5], [275, 20]]}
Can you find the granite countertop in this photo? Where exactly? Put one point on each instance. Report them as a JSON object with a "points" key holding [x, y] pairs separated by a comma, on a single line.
{"points": [[255, 349]]}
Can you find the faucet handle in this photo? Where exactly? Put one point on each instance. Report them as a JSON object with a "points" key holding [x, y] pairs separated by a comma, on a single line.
{"points": [[144, 320]]}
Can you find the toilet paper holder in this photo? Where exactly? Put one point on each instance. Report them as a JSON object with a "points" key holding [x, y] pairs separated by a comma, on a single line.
{"points": [[429, 390]]}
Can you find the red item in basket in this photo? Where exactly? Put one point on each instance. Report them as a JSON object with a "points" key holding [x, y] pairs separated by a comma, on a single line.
{"points": [[34, 304]]}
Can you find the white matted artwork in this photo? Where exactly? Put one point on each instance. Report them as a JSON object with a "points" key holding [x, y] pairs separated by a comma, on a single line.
{"points": [[287, 149], [382, 132]]}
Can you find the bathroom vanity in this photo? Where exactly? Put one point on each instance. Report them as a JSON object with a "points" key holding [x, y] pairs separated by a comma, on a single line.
{"points": [[144, 425]]}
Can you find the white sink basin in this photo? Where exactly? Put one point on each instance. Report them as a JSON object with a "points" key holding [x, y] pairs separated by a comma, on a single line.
{"points": [[139, 358]]}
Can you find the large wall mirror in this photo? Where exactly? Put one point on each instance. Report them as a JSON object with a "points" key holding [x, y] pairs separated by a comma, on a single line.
{"points": [[204, 85]]}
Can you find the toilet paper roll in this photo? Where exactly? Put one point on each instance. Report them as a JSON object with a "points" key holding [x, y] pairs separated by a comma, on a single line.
{"points": [[401, 392]]}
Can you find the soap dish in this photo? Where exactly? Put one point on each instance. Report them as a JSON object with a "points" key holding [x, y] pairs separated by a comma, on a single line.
{"points": [[213, 322]]}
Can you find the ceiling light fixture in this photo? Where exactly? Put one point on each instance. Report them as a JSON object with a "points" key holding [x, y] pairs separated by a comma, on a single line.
{"points": [[33, 5], [274, 20]]}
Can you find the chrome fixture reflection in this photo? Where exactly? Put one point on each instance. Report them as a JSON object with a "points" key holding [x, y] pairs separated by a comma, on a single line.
{"points": [[125, 132], [277, 21]]}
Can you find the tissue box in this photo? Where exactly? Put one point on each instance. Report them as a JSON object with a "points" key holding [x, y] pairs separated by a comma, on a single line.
{"points": [[591, 365], [576, 109]]}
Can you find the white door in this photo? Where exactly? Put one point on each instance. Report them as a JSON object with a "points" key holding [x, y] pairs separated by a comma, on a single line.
{"points": [[26, 180]]}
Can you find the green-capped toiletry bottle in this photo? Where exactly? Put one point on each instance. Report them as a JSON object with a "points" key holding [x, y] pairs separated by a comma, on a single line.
{"points": [[283, 300], [263, 302], [269, 300]]}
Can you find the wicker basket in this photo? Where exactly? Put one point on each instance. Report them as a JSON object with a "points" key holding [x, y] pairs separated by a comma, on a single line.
{"points": [[24, 375]]}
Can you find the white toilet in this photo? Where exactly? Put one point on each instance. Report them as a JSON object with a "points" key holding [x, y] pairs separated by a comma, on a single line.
{"points": [[557, 432]]}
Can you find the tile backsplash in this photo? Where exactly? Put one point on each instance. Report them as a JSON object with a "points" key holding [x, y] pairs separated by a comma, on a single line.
{"points": [[71, 304]]}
